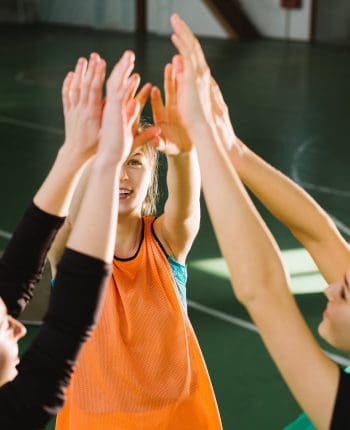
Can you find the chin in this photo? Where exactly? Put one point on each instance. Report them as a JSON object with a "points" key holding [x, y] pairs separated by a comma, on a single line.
{"points": [[8, 376], [322, 330]]}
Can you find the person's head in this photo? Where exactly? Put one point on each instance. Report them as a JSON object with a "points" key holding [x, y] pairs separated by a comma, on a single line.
{"points": [[335, 325], [138, 185], [11, 331]]}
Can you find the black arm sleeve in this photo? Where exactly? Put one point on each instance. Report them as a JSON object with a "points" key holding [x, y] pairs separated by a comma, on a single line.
{"points": [[22, 263], [341, 413], [37, 393]]}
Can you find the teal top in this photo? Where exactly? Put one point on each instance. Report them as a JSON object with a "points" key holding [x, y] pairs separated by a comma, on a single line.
{"points": [[303, 422], [180, 274]]}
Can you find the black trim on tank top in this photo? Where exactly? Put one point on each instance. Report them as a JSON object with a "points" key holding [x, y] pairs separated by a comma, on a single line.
{"points": [[156, 238], [139, 247]]}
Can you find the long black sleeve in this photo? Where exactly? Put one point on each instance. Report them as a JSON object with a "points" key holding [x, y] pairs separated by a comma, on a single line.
{"points": [[37, 393], [22, 263]]}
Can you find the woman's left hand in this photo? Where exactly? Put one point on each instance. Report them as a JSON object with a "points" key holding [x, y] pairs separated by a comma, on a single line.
{"points": [[143, 135], [174, 139]]}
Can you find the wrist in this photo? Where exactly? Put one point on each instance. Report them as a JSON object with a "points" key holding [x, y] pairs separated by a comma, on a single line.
{"points": [[202, 134], [238, 155], [69, 155], [108, 159], [183, 155]]}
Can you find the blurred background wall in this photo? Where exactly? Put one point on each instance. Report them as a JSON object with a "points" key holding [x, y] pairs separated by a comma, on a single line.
{"points": [[319, 20]]}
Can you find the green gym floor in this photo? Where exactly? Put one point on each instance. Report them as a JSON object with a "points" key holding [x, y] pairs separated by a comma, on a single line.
{"points": [[288, 101]]}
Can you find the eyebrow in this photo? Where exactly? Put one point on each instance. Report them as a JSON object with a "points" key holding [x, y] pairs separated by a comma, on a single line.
{"points": [[346, 283], [136, 154]]}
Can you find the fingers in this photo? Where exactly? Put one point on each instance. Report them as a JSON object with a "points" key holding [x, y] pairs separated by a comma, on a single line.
{"points": [[178, 65], [66, 88], [159, 144], [187, 44], [88, 77], [180, 27], [129, 88], [157, 105], [96, 85], [120, 74], [214, 97], [77, 81], [141, 97], [132, 110], [182, 47], [218, 102], [166, 147], [149, 134], [169, 85], [84, 85], [133, 89]]}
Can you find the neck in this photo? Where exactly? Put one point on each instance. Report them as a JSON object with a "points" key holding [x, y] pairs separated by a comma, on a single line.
{"points": [[128, 235]]}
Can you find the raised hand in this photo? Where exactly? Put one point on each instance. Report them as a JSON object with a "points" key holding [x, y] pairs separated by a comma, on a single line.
{"points": [[83, 105], [221, 117], [174, 138], [142, 134], [192, 75], [121, 110]]}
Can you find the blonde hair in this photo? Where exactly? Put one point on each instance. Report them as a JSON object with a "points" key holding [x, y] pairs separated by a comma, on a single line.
{"points": [[149, 205]]}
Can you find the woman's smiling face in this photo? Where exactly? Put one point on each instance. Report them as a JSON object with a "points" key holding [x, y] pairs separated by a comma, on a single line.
{"points": [[134, 182]]}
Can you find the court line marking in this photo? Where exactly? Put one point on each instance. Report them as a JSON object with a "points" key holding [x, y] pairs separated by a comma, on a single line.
{"points": [[31, 125], [202, 308], [296, 177], [5, 234], [231, 320], [251, 327], [20, 77], [339, 193]]}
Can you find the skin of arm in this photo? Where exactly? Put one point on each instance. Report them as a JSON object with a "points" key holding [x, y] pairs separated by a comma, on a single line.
{"points": [[81, 107], [286, 200], [57, 248], [94, 230], [257, 273], [178, 226], [140, 137]]}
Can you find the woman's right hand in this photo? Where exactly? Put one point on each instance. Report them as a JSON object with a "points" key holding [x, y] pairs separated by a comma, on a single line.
{"points": [[192, 76], [121, 111], [82, 106]]}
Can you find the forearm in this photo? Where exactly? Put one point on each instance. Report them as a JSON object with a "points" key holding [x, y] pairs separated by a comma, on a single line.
{"points": [[184, 183], [44, 372], [247, 245], [94, 229], [58, 245], [55, 194], [289, 203], [23, 260], [286, 200]]}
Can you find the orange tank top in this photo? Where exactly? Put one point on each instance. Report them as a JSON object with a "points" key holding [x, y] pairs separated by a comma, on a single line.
{"points": [[142, 368]]}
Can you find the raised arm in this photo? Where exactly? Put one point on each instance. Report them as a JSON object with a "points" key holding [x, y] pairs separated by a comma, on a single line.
{"points": [[23, 260], [83, 272], [286, 200], [140, 137], [257, 273], [178, 226]]}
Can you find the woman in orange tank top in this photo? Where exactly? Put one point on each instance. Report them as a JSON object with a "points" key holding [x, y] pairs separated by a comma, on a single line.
{"points": [[142, 367]]}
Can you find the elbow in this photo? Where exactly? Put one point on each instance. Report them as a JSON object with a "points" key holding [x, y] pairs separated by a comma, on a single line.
{"points": [[257, 285]]}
